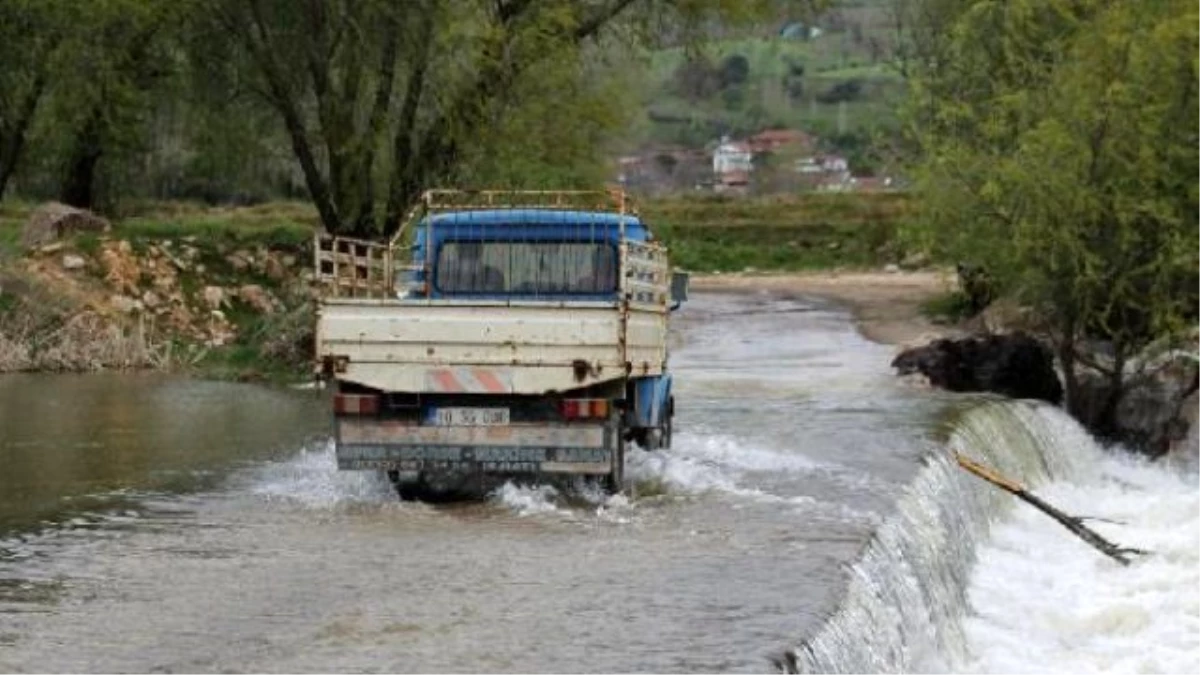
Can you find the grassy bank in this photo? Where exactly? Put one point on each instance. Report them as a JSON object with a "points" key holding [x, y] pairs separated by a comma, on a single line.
{"points": [[810, 232], [217, 292]]}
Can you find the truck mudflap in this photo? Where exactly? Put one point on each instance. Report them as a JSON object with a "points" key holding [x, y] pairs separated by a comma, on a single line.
{"points": [[551, 448]]}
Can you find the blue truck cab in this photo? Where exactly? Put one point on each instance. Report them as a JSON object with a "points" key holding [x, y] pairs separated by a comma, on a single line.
{"points": [[520, 240]]}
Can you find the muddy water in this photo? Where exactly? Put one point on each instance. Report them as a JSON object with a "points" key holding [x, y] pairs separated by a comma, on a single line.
{"points": [[164, 525]]}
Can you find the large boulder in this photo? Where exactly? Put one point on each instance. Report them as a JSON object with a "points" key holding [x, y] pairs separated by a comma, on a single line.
{"points": [[53, 221], [1156, 412], [1014, 365]]}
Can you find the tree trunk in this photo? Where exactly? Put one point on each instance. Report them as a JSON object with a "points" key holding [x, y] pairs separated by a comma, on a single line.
{"points": [[257, 37], [1107, 419], [79, 180], [406, 179], [12, 135], [1066, 359]]}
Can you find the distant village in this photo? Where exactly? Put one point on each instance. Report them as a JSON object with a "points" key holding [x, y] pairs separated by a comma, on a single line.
{"points": [[771, 161]]}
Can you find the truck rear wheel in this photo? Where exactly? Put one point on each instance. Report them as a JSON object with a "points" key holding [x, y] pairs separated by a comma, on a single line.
{"points": [[408, 489], [614, 482]]}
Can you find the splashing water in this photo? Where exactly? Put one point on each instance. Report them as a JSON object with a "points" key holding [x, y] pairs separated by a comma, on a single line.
{"points": [[1040, 600], [527, 500], [1037, 599], [311, 479]]}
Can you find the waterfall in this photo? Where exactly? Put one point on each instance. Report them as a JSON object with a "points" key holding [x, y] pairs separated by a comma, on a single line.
{"points": [[906, 596]]}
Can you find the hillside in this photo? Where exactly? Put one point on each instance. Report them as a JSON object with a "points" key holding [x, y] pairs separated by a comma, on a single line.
{"points": [[832, 78]]}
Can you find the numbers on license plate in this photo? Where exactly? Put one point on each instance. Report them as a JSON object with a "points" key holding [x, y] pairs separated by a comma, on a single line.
{"points": [[471, 417]]}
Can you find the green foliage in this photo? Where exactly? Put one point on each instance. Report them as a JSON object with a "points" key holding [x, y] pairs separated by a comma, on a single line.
{"points": [[829, 84], [355, 105], [31, 34], [949, 307], [1060, 151]]}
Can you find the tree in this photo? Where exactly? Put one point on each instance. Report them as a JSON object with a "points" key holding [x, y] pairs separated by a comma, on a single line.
{"points": [[381, 99], [112, 64], [735, 69], [30, 34], [1058, 143]]}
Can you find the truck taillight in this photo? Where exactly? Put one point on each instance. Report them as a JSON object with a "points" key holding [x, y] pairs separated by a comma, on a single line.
{"points": [[355, 404], [585, 408]]}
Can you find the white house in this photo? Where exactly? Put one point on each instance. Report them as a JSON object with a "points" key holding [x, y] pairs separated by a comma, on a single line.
{"points": [[732, 157]]}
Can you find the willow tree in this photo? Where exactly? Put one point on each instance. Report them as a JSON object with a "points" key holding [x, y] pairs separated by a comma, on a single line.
{"points": [[1058, 145], [31, 32], [381, 99], [114, 62]]}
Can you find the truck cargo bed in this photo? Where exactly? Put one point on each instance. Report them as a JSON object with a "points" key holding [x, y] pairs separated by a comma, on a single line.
{"points": [[488, 347]]}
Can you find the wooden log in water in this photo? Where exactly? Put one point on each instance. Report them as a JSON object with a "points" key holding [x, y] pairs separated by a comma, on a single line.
{"points": [[1074, 524]]}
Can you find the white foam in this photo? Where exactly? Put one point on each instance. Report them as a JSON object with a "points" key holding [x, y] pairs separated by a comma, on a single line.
{"points": [[1041, 600], [701, 463], [696, 464], [312, 479], [527, 500]]}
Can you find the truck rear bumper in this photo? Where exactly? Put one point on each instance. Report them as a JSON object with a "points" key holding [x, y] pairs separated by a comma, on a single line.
{"points": [[527, 448]]}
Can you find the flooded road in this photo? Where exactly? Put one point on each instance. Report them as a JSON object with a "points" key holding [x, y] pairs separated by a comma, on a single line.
{"points": [[154, 524]]}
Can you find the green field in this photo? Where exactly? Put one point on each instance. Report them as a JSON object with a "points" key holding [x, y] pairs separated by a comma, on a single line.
{"points": [[850, 57], [782, 233]]}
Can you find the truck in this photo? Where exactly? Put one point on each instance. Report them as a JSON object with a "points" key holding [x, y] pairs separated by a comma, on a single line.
{"points": [[498, 335]]}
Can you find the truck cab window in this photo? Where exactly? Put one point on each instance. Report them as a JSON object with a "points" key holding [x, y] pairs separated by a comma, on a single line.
{"points": [[520, 268]]}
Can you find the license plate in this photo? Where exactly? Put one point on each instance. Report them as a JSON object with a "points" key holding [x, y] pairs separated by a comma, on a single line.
{"points": [[470, 417]]}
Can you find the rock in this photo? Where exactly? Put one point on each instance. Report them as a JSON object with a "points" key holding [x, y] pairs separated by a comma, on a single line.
{"points": [[53, 221], [274, 268], [257, 297], [288, 260], [166, 278], [220, 332], [150, 299], [121, 269], [239, 260], [125, 304], [1006, 315], [71, 261], [214, 297], [1152, 417], [891, 268], [52, 248], [915, 261], [1185, 452], [1014, 365]]}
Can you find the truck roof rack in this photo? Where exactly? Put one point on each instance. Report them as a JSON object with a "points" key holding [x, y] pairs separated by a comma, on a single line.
{"points": [[611, 200], [352, 267]]}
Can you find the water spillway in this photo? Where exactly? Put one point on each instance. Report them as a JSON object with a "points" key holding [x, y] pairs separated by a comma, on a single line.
{"points": [[964, 578]]}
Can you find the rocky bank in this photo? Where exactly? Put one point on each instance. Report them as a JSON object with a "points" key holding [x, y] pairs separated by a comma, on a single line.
{"points": [[86, 299]]}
